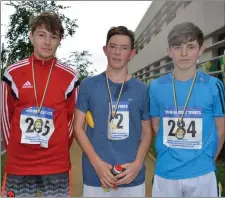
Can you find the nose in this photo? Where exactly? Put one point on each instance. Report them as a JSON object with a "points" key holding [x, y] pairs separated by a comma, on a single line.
{"points": [[117, 50], [47, 40], [184, 51]]}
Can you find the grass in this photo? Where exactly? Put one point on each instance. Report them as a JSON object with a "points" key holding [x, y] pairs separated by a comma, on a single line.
{"points": [[220, 166], [3, 159], [221, 169]]}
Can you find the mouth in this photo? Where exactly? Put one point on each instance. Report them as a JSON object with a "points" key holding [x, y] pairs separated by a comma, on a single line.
{"points": [[117, 59], [45, 49], [184, 60]]}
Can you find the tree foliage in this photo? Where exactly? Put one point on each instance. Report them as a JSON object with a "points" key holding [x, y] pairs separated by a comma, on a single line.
{"points": [[80, 61], [18, 42]]}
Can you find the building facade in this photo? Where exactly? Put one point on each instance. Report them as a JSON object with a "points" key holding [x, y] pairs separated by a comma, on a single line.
{"points": [[151, 59]]}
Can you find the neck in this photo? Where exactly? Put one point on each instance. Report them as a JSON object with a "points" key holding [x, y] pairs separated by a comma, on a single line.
{"points": [[117, 75], [184, 75], [42, 58]]}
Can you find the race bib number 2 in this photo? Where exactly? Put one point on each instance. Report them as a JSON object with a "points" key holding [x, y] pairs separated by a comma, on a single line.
{"points": [[187, 135], [37, 129], [118, 128]]}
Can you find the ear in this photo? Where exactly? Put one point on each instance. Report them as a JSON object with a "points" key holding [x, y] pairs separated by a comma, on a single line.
{"points": [[105, 50], [133, 53], [169, 52], [31, 38], [201, 51]]}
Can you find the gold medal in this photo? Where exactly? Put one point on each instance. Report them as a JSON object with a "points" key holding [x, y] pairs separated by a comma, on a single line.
{"points": [[180, 133], [38, 124], [112, 125], [106, 189]]}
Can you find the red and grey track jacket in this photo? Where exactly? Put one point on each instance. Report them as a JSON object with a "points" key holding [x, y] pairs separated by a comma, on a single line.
{"points": [[18, 94]]}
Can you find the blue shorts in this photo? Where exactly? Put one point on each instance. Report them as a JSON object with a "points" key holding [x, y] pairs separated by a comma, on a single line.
{"points": [[53, 185]]}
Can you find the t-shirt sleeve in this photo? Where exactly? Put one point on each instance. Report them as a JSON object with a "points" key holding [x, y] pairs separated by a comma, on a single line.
{"points": [[145, 106], [154, 105], [219, 99], [83, 97]]}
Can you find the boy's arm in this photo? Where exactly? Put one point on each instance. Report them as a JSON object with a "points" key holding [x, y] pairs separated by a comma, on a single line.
{"points": [[219, 114], [71, 105], [220, 125], [102, 168], [7, 108]]}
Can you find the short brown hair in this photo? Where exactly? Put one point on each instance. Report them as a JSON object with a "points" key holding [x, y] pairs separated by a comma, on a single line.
{"points": [[121, 30], [185, 32], [51, 22]]}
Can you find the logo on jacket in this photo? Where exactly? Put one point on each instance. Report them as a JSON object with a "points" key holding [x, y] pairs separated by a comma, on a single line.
{"points": [[27, 84], [10, 193]]}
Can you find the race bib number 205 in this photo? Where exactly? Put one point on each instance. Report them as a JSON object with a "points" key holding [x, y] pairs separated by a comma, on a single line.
{"points": [[37, 129]]}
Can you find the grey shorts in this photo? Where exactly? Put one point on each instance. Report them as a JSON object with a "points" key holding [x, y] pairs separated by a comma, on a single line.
{"points": [[54, 185]]}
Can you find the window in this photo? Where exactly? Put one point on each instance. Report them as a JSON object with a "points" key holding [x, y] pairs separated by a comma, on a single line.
{"points": [[186, 3], [157, 64]]}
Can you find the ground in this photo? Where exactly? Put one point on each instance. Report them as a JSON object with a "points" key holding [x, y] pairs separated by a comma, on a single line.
{"points": [[75, 154]]}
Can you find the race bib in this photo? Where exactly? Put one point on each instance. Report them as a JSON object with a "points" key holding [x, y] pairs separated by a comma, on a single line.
{"points": [[118, 128], [37, 129], [188, 135]]}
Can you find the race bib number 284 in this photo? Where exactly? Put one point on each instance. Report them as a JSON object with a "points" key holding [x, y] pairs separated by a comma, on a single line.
{"points": [[188, 134]]}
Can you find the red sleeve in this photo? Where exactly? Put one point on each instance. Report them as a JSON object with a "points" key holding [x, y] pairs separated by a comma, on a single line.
{"points": [[71, 103], [7, 107]]}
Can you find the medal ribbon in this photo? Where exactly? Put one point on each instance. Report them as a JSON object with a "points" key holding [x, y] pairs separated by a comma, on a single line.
{"points": [[113, 113], [188, 98], [46, 86]]}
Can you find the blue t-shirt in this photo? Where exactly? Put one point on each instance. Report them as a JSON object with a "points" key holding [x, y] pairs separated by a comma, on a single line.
{"points": [[192, 155], [133, 108]]}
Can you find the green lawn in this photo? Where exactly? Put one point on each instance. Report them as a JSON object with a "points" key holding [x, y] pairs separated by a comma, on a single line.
{"points": [[3, 159], [220, 166]]}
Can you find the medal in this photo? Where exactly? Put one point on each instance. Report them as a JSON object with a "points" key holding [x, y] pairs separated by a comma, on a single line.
{"points": [[38, 124], [106, 189], [113, 126], [180, 132]]}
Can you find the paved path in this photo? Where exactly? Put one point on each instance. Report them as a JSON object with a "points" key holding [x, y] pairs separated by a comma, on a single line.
{"points": [[77, 171]]}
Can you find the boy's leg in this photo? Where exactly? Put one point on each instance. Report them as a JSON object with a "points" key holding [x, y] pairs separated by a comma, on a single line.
{"points": [[55, 185], [166, 187], [134, 191], [19, 186], [93, 191], [202, 186]]}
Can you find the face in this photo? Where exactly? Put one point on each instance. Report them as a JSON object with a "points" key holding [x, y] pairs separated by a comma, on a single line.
{"points": [[45, 43], [186, 55], [118, 51]]}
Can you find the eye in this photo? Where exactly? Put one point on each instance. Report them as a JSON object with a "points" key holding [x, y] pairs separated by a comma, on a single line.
{"points": [[41, 35], [176, 47], [191, 47]]}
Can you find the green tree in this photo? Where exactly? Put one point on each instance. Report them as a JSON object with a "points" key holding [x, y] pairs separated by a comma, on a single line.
{"points": [[18, 42], [80, 61]]}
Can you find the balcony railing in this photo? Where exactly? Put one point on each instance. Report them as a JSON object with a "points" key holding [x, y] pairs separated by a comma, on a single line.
{"points": [[214, 66]]}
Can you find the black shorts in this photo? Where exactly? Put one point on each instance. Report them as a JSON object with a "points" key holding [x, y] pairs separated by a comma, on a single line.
{"points": [[54, 185]]}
